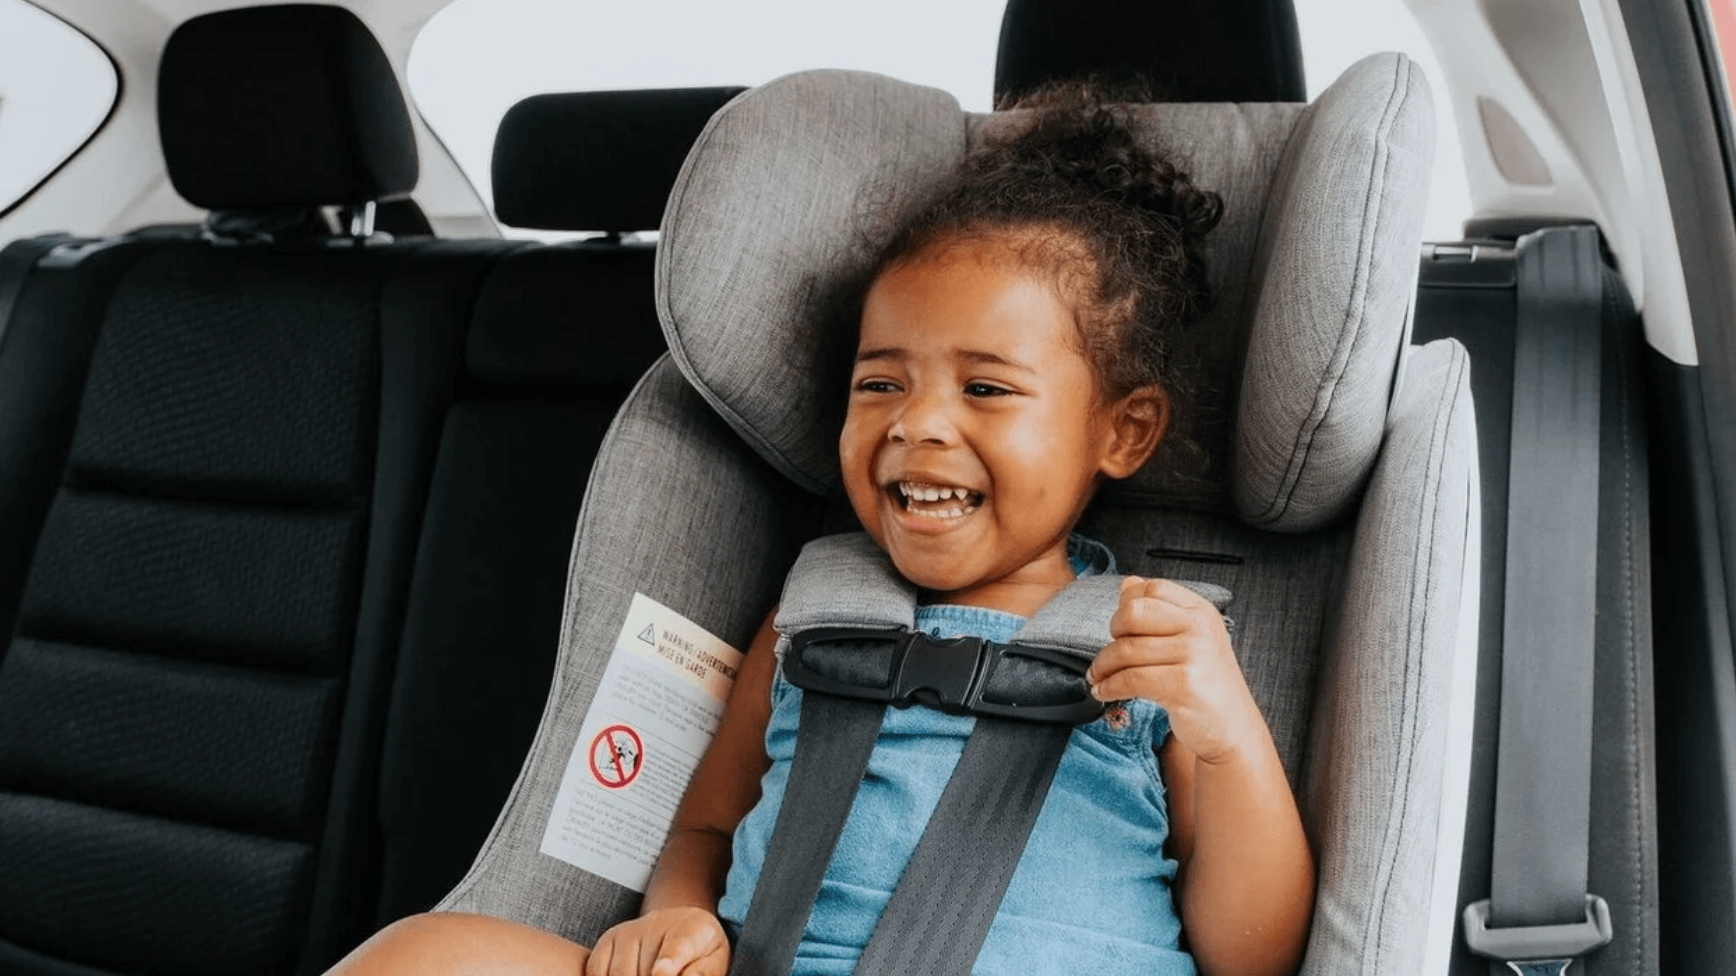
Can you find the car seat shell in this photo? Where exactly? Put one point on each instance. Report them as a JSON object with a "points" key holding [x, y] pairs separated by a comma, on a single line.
{"points": [[703, 509]]}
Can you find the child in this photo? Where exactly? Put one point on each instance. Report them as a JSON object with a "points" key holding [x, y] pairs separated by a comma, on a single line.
{"points": [[1011, 356]]}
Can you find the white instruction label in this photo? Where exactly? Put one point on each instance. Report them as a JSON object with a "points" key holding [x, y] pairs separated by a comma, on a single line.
{"points": [[660, 700]]}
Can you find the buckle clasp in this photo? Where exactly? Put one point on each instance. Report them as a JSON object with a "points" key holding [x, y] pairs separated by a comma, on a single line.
{"points": [[961, 675], [1538, 950]]}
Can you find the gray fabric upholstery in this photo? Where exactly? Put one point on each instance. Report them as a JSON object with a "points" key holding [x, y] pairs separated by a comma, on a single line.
{"points": [[766, 211], [876, 596], [1379, 737], [679, 510], [782, 191], [1326, 332], [1281, 587]]}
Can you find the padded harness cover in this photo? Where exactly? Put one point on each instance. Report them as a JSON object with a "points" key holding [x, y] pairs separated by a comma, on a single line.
{"points": [[849, 581]]}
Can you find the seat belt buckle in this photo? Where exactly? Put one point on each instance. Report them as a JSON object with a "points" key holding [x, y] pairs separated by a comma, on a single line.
{"points": [[960, 675], [1538, 950]]}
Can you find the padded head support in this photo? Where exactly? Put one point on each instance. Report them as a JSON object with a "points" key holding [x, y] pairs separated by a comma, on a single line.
{"points": [[1313, 266], [282, 106], [597, 160]]}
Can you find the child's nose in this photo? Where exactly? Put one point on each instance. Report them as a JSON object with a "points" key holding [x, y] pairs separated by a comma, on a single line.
{"points": [[925, 419]]}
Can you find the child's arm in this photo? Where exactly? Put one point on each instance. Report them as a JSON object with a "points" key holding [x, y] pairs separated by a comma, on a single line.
{"points": [[1245, 886], [677, 931]]}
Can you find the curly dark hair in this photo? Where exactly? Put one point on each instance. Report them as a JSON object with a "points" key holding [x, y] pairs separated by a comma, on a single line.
{"points": [[1127, 222]]}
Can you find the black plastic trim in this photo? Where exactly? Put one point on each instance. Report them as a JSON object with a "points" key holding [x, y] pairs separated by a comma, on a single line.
{"points": [[1695, 683]]}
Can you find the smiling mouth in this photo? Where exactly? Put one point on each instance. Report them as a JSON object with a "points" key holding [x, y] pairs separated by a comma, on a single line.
{"points": [[934, 501]]}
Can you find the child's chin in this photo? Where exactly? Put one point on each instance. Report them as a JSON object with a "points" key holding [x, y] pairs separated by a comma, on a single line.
{"points": [[929, 577]]}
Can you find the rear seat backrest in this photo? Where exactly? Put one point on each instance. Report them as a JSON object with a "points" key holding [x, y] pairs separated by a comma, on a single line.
{"points": [[557, 338], [192, 695]]}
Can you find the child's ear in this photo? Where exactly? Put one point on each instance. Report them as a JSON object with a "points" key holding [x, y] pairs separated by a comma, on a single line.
{"points": [[1138, 422]]}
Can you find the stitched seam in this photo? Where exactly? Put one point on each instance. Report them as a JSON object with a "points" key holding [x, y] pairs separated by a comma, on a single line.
{"points": [[1430, 514], [1342, 358], [674, 336]]}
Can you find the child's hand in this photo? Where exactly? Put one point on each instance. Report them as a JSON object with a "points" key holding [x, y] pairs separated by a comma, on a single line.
{"points": [[1170, 647], [668, 942]]}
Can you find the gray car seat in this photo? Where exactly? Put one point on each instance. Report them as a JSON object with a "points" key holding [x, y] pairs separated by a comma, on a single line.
{"points": [[1335, 495]]}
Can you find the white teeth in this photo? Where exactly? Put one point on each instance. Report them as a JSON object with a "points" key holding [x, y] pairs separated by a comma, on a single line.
{"points": [[931, 493], [917, 491]]}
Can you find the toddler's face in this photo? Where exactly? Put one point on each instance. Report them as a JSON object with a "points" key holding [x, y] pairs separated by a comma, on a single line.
{"points": [[974, 435]]}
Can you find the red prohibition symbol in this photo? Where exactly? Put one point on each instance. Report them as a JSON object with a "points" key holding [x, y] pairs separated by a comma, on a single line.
{"points": [[617, 754]]}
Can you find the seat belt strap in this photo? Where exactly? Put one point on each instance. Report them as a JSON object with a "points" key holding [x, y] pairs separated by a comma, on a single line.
{"points": [[939, 915], [16, 261], [1539, 916], [834, 738]]}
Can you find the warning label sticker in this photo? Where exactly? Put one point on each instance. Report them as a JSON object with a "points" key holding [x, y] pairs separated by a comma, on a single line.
{"points": [[616, 755], [654, 713]]}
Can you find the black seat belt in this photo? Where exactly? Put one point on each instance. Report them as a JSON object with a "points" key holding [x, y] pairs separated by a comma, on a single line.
{"points": [[16, 260], [1539, 916]]}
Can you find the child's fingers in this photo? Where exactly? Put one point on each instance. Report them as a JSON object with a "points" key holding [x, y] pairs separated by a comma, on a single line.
{"points": [[1153, 682], [629, 956], [1170, 591], [1148, 615], [714, 963], [687, 953], [1130, 652], [601, 955]]}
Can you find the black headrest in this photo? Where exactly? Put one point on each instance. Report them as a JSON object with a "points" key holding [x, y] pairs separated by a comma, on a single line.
{"points": [[596, 160], [284, 106], [1188, 50]]}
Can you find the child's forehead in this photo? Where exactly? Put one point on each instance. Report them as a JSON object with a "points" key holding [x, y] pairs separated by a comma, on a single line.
{"points": [[1055, 255], [967, 306]]}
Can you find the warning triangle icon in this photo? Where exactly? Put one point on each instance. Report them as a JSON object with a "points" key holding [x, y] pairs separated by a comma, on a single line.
{"points": [[649, 634]]}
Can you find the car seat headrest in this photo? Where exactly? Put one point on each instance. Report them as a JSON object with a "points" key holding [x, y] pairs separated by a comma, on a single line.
{"points": [[1313, 267], [282, 107], [596, 160], [1215, 51]]}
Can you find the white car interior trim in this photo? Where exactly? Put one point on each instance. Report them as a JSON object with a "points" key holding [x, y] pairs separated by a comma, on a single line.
{"points": [[1599, 154]]}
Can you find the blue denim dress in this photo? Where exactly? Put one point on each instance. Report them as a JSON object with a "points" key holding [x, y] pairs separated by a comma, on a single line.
{"points": [[1091, 893]]}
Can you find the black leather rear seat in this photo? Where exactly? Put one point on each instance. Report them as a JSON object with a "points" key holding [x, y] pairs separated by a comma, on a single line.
{"points": [[283, 529]]}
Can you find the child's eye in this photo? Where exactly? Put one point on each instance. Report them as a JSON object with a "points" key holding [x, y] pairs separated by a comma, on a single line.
{"points": [[984, 390], [876, 386]]}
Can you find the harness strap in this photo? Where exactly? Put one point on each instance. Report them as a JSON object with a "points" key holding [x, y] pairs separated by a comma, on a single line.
{"points": [[833, 740], [939, 915]]}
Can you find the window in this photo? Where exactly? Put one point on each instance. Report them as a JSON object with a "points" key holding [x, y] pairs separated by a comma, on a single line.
{"points": [[56, 89], [477, 57], [1330, 44]]}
